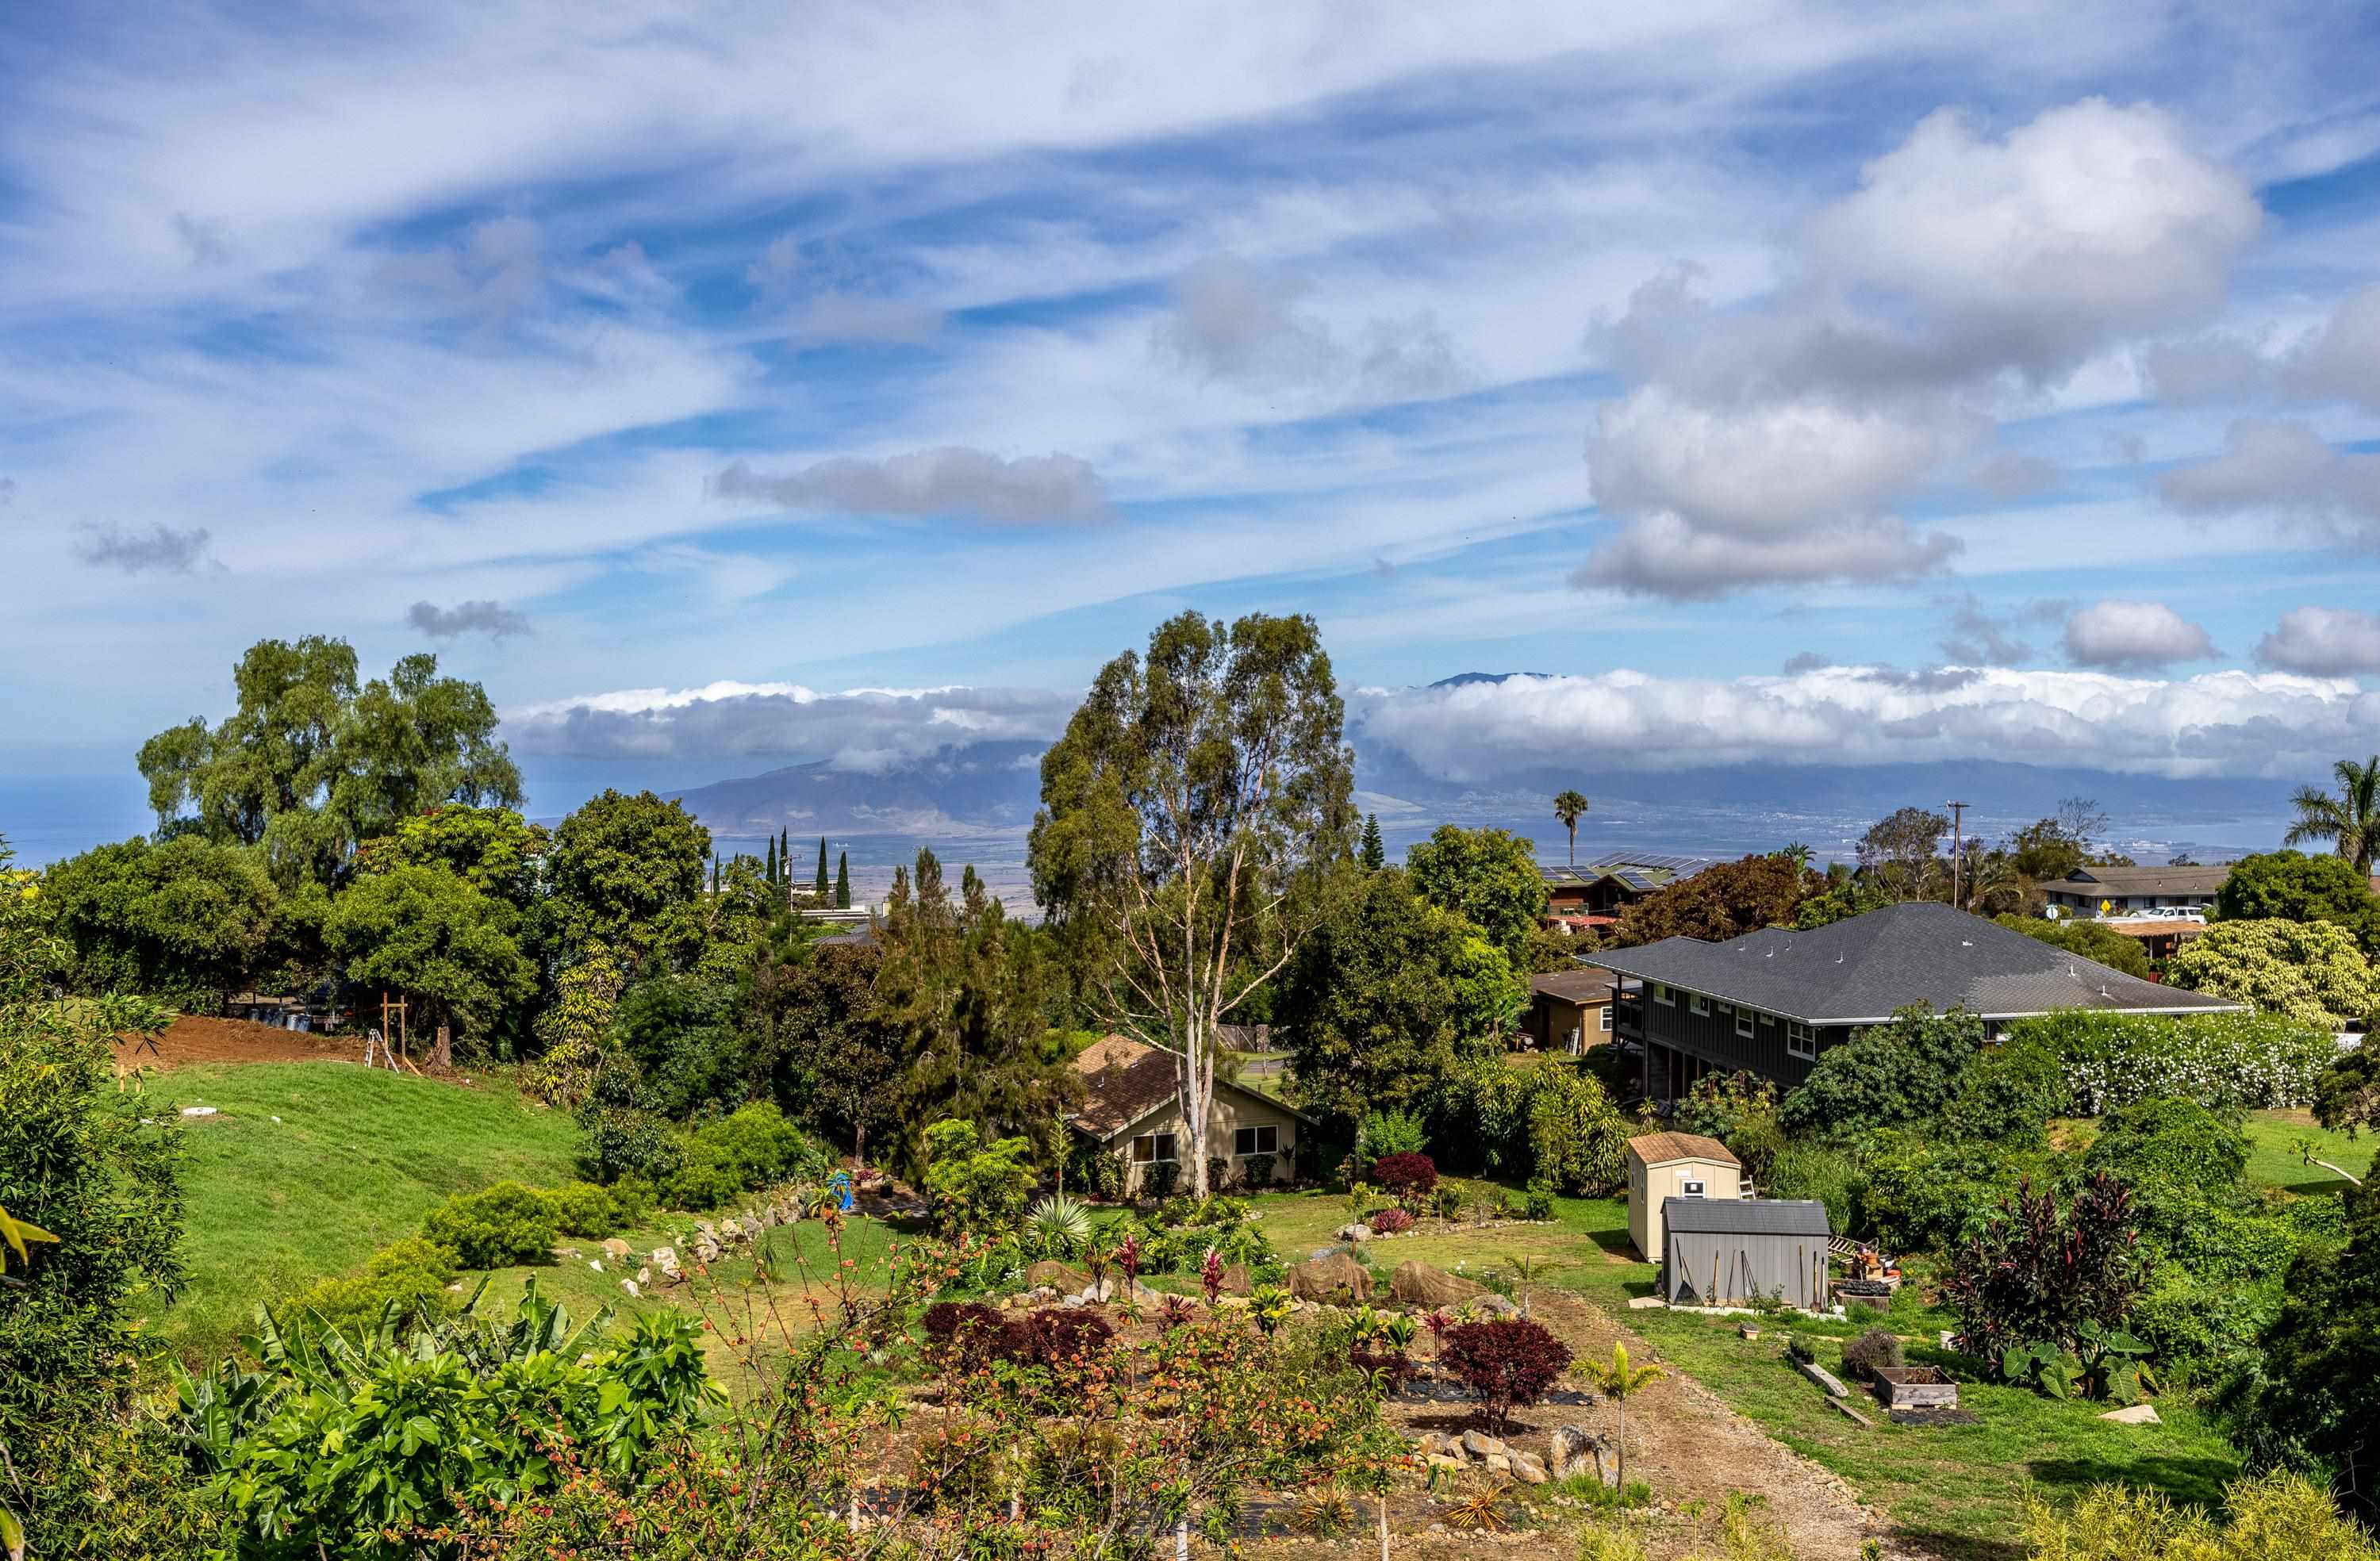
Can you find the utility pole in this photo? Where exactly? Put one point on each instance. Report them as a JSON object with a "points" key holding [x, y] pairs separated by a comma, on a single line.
{"points": [[1958, 849]]}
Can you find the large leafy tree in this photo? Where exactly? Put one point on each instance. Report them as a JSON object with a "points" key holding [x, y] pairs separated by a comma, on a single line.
{"points": [[2053, 847], [91, 1208], [1726, 899], [834, 1057], [1387, 999], [619, 865], [2294, 887], [2087, 938], [1488, 876], [425, 933], [311, 762], [494, 849], [186, 921], [968, 995], [1900, 852], [2311, 970], [2349, 819], [1570, 806], [1194, 794]]}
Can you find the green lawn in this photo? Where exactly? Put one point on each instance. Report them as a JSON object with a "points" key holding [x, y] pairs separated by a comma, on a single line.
{"points": [[355, 1160], [2275, 1159]]}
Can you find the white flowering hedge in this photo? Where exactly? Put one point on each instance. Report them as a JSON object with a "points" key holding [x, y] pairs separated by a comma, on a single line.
{"points": [[2223, 1062]]}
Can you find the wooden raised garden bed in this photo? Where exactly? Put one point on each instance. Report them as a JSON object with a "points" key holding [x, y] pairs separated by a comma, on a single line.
{"points": [[1915, 1387]]}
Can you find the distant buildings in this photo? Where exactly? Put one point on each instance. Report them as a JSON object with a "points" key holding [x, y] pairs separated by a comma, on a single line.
{"points": [[1131, 1107], [1592, 894], [2130, 891], [1570, 1010], [1771, 1001]]}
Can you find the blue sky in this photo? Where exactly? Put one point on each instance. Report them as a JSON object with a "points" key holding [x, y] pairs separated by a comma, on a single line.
{"points": [[1788, 383]]}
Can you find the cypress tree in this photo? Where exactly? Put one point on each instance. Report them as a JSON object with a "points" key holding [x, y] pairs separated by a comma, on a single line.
{"points": [[773, 861], [1374, 855], [785, 857], [820, 886], [843, 880], [714, 875]]}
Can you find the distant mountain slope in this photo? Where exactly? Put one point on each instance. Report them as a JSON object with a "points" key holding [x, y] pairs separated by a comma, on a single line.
{"points": [[982, 786]]}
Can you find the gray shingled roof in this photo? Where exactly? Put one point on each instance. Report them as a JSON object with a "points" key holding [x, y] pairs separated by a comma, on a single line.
{"points": [[1745, 1217], [2145, 880], [1858, 970]]}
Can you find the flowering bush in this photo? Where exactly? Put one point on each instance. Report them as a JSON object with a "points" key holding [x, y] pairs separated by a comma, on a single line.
{"points": [[2223, 1062], [1508, 1364]]}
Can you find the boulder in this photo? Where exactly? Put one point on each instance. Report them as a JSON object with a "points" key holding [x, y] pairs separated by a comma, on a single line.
{"points": [[1498, 1463], [1323, 1278], [1491, 1304], [615, 1247], [1574, 1449], [1056, 1276], [1354, 1233], [1235, 1280], [1525, 1467], [1479, 1445], [2135, 1414], [1418, 1283]]}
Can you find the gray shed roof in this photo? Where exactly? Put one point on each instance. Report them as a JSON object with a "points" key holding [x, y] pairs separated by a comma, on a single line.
{"points": [[1858, 970], [1745, 1217], [2144, 880]]}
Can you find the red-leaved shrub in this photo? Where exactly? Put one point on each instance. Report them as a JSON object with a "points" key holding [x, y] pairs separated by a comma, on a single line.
{"points": [[1055, 1338], [1406, 1177], [967, 1332], [1508, 1364]]}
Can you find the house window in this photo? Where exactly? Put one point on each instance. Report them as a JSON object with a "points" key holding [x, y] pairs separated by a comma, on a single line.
{"points": [[1768, 1020], [1663, 995], [1265, 1139], [1690, 1190], [1606, 1020], [1698, 1004], [1151, 1146], [1800, 1040], [1743, 1022]]}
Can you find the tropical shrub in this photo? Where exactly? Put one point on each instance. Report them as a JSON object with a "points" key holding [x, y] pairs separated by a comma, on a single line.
{"points": [[1407, 1176], [1057, 1228], [2223, 1062], [1159, 1177], [1259, 1170], [2035, 1274], [495, 1226], [1537, 1201], [757, 1146], [963, 1332], [1740, 1110], [2322, 1364], [1391, 1222], [2171, 1143], [1448, 1202], [977, 1187], [2009, 1094], [1832, 1177], [1387, 1134], [1886, 1074], [617, 1135], [1577, 1137], [412, 1275], [1876, 1347], [1507, 1364], [583, 1209], [355, 1451], [1919, 1194], [2314, 972], [2265, 1517]]}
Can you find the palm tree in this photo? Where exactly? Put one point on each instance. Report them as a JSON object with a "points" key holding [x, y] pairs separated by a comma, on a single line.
{"points": [[1616, 1379], [1570, 807], [2350, 820]]}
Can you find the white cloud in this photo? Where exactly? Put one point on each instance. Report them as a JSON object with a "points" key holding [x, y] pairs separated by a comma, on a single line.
{"points": [[2288, 469], [1666, 555], [2092, 218], [2225, 723], [857, 729], [2322, 642], [950, 481], [2344, 360], [2134, 635]]}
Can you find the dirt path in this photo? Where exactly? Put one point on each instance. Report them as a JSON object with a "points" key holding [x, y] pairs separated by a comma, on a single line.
{"points": [[192, 1038]]}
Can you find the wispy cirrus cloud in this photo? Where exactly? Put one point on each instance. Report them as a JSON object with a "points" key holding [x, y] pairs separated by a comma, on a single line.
{"points": [[951, 481]]}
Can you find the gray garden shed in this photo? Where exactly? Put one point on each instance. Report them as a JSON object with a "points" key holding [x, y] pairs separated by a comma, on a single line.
{"points": [[1723, 1251]]}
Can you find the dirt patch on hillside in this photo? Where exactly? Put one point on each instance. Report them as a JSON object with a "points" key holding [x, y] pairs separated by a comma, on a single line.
{"points": [[192, 1038]]}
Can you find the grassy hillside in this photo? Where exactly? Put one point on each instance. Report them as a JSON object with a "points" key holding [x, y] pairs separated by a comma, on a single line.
{"points": [[354, 1161]]}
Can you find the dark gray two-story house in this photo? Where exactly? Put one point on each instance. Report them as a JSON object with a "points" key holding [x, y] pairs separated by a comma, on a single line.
{"points": [[1770, 1002]]}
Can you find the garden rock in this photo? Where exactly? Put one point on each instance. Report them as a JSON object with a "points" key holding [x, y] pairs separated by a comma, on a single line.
{"points": [[1499, 1463], [1235, 1280], [1495, 1305], [2134, 1414], [1479, 1445], [1323, 1278], [1526, 1468], [1354, 1233], [1057, 1277], [1570, 1448], [1418, 1283], [614, 1248]]}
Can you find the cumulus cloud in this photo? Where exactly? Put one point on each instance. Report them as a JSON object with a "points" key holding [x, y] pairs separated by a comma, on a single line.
{"points": [[160, 549], [2218, 723], [493, 619], [2139, 636], [1959, 263], [2344, 360], [2322, 642], [950, 481], [2218, 366], [2091, 220], [2287, 469], [862, 730], [1666, 555]]}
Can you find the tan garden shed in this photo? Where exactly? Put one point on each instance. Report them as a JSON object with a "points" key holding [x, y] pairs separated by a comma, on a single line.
{"points": [[1662, 1165]]}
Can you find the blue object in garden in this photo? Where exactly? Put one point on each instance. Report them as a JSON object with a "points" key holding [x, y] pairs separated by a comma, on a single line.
{"points": [[840, 1185]]}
